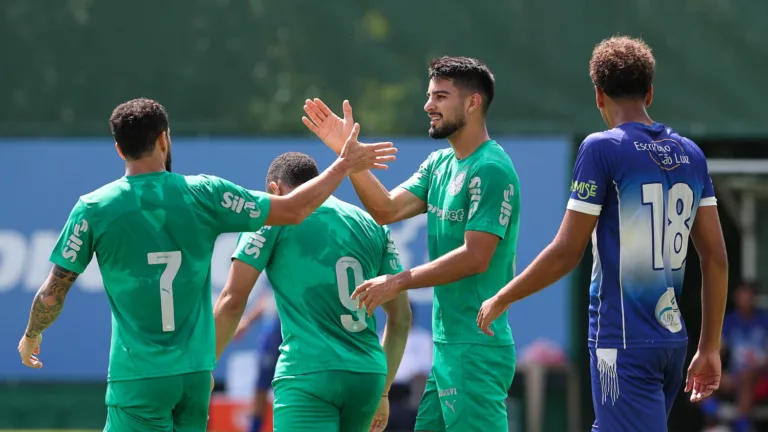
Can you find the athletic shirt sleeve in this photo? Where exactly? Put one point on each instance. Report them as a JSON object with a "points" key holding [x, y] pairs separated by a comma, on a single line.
{"points": [[255, 249], [592, 175], [237, 209], [390, 260], [418, 183], [493, 192], [75, 246], [708, 192]]}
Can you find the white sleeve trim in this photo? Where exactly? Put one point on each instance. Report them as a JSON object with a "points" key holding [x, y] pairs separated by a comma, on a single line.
{"points": [[709, 201], [585, 207]]}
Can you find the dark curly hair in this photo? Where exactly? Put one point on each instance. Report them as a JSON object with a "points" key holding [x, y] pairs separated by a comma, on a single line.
{"points": [[136, 125], [293, 169], [466, 74], [622, 67]]}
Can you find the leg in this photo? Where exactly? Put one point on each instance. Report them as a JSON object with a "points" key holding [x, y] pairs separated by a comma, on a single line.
{"points": [[191, 413], [305, 402], [627, 389], [473, 382], [430, 416], [268, 362], [361, 395], [144, 405], [673, 378]]}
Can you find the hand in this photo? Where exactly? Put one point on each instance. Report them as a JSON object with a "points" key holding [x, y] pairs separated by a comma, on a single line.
{"points": [[359, 157], [332, 130], [375, 292], [381, 418], [489, 311], [703, 375], [29, 348], [242, 328], [213, 382]]}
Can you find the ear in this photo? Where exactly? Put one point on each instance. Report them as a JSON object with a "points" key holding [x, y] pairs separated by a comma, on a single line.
{"points": [[599, 98], [119, 152], [475, 102], [649, 97], [162, 141], [274, 188]]}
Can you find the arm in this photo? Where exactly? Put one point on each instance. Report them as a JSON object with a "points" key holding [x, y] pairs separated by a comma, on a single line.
{"points": [[555, 261], [248, 261], [257, 311], [469, 259], [354, 157], [232, 301], [49, 300], [386, 207], [395, 335], [707, 236]]}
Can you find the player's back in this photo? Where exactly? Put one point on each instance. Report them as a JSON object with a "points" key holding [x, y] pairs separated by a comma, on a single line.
{"points": [[314, 268], [654, 181], [153, 235]]}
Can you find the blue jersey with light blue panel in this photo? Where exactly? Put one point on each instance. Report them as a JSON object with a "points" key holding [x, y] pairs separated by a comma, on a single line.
{"points": [[646, 184]]}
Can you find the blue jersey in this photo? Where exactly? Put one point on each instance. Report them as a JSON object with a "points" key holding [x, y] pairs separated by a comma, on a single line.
{"points": [[646, 184]]}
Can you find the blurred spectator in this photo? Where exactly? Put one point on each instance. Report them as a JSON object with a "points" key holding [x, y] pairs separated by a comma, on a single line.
{"points": [[410, 379], [745, 345]]}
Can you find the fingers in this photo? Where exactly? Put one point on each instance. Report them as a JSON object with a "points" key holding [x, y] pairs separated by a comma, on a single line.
{"points": [[314, 113], [311, 126], [32, 362], [322, 107], [354, 134], [688, 382], [359, 290], [384, 147], [347, 109]]}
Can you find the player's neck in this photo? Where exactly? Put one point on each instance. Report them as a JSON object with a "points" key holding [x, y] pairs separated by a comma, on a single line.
{"points": [[143, 166], [629, 114], [467, 139]]}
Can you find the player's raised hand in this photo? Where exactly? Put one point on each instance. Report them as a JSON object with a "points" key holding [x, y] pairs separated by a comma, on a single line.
{"points": [[703, 375], [489, 311], [360, 157], [332, 130], [29, 349], [381, 418]]}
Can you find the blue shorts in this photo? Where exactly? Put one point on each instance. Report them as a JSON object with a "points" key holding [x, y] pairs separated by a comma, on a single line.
{"points": [[269, 351], [633, 389]]}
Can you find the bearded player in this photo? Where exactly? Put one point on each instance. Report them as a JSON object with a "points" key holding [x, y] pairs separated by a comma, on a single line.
{"points": [[332, 374], [639, 191], [153, 232], [471, 194]]}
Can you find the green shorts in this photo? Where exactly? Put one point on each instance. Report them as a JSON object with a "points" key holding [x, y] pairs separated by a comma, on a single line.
{"points": [[467, 389], [177, 403], [328, 401]]}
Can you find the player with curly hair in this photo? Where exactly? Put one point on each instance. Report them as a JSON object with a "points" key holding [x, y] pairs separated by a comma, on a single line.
{"points": [[639, 191]]}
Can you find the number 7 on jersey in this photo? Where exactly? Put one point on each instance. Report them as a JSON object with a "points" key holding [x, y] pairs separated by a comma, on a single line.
{"points": [[172, 261]]}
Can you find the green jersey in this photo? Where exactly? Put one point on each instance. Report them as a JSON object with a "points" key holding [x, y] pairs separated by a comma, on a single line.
{"points": [[314, 267], [478, 193], [153, 235]]}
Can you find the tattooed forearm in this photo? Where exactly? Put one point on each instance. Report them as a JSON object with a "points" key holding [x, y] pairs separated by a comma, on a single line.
{"points": [[49, 300]]}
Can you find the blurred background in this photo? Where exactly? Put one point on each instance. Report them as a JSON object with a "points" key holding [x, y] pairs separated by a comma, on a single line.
{"points": [[233, 76]]}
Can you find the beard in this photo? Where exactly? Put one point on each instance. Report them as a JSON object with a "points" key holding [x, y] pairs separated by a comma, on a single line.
{"points": [[446, 128], [168, 161]]}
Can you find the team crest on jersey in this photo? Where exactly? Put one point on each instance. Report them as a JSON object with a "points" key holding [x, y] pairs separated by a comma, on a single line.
{"points": [[454, 187]]}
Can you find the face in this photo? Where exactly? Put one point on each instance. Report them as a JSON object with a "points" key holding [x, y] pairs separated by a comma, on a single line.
{"points": [[446, 109]]}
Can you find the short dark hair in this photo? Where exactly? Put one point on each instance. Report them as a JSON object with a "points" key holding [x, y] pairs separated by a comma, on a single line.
{"points": [[622, 67], [467, 74], [136, 125], [292, 169]]}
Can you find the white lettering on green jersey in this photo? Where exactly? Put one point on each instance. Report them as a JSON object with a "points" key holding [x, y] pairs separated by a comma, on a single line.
{"points": [[313, 268], [153, 235], [478, 193]]}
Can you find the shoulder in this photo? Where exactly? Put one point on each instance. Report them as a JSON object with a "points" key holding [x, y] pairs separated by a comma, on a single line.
{"points": [[439, 156], [104, 194], [602, 142]]}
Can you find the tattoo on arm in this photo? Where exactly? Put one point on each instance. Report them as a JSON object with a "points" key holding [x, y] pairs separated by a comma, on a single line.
{"points": [[49, 300]]}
